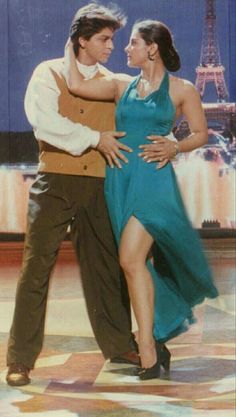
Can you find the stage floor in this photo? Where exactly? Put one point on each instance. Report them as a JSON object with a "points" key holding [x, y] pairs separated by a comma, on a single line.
{"points": [[71, 378]]}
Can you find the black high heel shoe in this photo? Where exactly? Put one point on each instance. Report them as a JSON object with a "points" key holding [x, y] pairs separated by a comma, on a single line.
{"points": [[163, 359]]}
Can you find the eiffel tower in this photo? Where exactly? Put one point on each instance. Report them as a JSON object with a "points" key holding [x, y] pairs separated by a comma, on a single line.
{"points": [[210, 68], [221, 114]]}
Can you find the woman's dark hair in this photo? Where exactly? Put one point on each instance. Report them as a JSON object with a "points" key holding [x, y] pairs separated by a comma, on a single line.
{"points": [[93, 18], [154, 31]]}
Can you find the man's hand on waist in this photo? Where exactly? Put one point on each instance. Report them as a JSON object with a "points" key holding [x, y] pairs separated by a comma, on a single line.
{"points": [[110, 147]]}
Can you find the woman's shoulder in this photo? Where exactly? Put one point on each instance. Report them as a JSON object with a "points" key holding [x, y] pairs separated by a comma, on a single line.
{"points": [[181, 83], [178, 82], [124, 80], [182, 86]]}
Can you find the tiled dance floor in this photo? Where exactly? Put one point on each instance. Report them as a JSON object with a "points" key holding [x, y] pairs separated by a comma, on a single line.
{"points": [[71, 378]]}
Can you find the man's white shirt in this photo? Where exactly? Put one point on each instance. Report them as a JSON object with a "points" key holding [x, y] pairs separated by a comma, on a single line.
{"points": [[42, 110]]}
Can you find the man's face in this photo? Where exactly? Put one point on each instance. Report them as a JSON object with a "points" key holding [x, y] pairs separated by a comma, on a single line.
{"points": [[98, 48]]}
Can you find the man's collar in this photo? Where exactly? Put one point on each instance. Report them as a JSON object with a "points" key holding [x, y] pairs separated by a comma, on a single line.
{"points": [[88, 71]]}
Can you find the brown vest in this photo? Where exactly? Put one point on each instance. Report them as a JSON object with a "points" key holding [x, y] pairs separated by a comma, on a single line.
{"points": [[94, 114]]}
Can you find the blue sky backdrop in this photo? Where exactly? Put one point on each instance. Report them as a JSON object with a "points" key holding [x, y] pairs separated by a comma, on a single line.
{"points": [[32, 31]]}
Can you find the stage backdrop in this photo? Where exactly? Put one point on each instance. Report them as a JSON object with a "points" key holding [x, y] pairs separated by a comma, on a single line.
{"points": [[205, 35]]}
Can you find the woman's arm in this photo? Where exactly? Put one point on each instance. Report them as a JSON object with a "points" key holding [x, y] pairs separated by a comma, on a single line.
{"points": [[192, 110], [104, 88]]}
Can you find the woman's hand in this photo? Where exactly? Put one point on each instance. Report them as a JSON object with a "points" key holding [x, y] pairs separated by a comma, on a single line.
{"points": [[161, 150], [69, 51], [71, 72], [68, 46]]}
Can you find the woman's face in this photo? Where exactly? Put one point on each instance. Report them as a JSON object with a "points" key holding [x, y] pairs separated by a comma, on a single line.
{"points": [[136, 50]]}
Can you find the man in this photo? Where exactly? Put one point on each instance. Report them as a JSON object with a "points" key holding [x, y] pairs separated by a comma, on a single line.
{"points": [[75, 137]]}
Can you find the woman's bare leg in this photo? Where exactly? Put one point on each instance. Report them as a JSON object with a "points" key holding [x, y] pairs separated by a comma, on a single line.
{"points": [[134, 248]]}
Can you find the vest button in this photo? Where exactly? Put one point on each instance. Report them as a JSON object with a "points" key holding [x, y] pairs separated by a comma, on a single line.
{"points": [[81, 111], [85, 167]]}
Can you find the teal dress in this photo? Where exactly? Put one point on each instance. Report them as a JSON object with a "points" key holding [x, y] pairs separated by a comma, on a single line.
{"points": [[180, 272]]}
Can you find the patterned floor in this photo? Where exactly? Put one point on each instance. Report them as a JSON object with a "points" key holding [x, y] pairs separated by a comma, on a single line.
{"points": [[72, 380]]}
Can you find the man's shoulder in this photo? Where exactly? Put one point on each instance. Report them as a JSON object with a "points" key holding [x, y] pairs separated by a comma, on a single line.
{"points": [[55, 65]]}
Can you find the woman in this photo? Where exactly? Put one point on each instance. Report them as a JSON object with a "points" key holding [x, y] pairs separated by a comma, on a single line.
{"points": [[144, 203]]}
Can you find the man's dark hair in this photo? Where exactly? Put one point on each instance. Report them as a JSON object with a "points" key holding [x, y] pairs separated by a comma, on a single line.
{"points": [[92, 19]]}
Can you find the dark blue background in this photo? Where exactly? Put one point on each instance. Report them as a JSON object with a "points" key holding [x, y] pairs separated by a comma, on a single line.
{"points": [[35, 30]]}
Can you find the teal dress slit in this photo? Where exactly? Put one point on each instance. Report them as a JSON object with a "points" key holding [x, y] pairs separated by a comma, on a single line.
{"points": [[179, 269]]}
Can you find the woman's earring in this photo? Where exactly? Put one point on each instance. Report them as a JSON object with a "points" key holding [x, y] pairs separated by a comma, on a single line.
{"points": [[151, 57]]}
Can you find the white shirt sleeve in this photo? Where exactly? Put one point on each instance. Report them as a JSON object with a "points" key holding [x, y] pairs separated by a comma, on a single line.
{"points": [[41, 107], [171, 136]]}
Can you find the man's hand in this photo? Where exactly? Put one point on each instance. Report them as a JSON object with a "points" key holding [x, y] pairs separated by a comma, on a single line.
{"points": [[161, 149], [110, 147]]}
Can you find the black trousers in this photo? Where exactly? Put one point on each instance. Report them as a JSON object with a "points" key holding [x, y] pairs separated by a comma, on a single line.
{"points": [[57, 201]]}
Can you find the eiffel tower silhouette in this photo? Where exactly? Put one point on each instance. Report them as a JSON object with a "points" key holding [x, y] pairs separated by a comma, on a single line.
{"points": [[210, 69], [221, 114]]}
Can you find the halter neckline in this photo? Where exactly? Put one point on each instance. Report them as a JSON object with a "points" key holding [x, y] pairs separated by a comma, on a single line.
{"points": [[165, 79]]}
